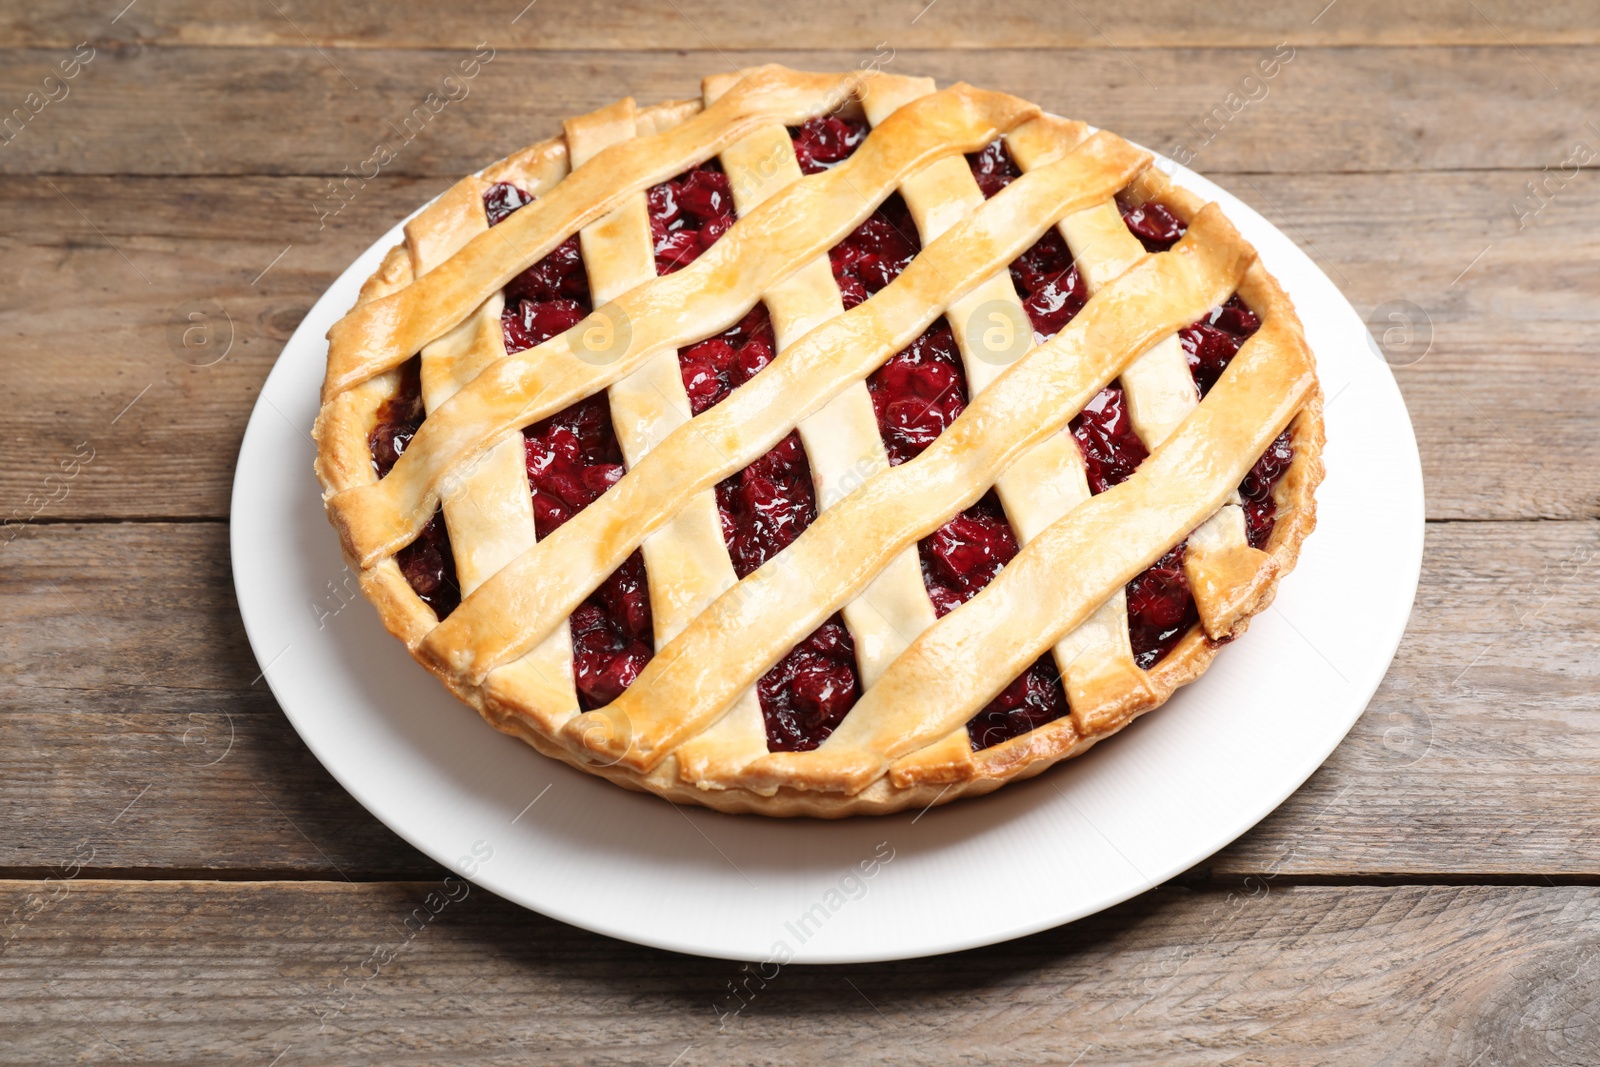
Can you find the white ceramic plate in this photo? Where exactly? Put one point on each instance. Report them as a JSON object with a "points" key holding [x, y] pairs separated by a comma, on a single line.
{"points": [[1135, 811]]}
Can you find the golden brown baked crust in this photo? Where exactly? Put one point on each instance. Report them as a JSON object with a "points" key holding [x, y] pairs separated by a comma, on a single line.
{"points": [[689, 728]]}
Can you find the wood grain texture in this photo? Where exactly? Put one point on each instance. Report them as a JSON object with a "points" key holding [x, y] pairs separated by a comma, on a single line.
{"points": [[129, 669], [1259, 974], [158, 110], [1501, 398], [688, 24]]}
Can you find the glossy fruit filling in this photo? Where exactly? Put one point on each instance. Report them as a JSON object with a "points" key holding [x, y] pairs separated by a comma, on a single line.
{"points": [[1155, 225], [717, 366], [1260, 510], [1209, 345], [826, 141], [1161, 608], [548, 298], [427, 563], [805, 695], [1046, 278], [687, 215], [958, 560], [918, 393]]}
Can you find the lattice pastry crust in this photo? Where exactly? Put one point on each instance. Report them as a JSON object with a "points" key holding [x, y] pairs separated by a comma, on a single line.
{"points": [[690, 727]]}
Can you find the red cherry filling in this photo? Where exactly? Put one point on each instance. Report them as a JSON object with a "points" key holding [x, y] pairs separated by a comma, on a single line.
{"points": [[573, 457], [993, 168], [430, 567], [766, 506], [915, 396], [399, 418], [1210, 344], [687, 215], [1157, 228], [826, 141], [1045, 276], [501, 199], [612, 635], [1160, 608], [1260, 509], [548, 298], [918, 393], [806, 694], [886, 242], [1104, 431], [427, 563], [875, 253], [1052, 290], [1034, 698], [716, 366], [965, 554]]}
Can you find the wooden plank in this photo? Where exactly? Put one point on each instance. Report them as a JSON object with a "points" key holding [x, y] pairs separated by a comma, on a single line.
{"points": [[1501, 400], [198, 972], [1475, 756], [159, 110], [904, 23]]}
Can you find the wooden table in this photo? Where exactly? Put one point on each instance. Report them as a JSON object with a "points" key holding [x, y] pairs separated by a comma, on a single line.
{"points": [[183, 883]]}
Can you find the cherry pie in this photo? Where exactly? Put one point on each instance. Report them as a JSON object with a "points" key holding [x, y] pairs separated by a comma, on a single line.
{"points": [[828, 445]]}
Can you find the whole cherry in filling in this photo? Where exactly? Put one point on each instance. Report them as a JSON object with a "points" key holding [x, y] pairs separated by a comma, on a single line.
{"points": [[1111, 449], [766, 506], [1155, 225], [993, 168], [548, 298], [1211, 343], [875, 253], [611, 635], [1052, 290]]}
